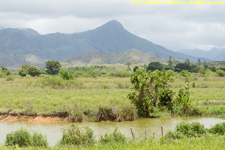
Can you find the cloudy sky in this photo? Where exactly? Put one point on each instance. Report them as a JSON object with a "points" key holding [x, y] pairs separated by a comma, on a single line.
{"points": [[172, 26]]}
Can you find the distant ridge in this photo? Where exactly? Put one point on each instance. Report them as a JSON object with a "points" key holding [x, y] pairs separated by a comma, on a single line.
{"points": [[133, 56], [108, 38]]}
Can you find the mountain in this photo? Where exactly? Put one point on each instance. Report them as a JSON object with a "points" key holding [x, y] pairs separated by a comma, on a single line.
{"points": [[216, 54], [133, 55], [111, 37]]}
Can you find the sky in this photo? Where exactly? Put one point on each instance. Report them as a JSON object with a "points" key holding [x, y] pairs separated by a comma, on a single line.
{"points": [[176, 27]]}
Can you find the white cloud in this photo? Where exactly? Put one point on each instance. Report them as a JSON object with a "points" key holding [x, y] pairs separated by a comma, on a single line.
{"points": [[172, 26]]}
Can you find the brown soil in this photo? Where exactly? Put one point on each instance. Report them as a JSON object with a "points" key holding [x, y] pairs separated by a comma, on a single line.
{"points": [[32, 119]]}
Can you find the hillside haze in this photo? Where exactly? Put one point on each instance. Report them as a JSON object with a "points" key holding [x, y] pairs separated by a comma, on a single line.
{"points": [[17, 45], [133, 55]]}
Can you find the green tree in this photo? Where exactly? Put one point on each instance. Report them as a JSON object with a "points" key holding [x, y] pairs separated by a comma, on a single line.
{"points": [[26, 67], [182, 66], [205, 65], [5, 70], [34, 71], [155, 66], [23, 72], [170, 62], [53, 67], [128, 64], [148, 86], [135, 68], [199, 62]]}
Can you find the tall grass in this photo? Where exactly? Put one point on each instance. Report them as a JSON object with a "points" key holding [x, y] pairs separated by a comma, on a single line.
{"points": [[23, 138], [77, 137]]}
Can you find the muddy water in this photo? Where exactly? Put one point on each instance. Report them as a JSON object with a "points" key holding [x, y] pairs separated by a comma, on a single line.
{"points": [[54, 131]]}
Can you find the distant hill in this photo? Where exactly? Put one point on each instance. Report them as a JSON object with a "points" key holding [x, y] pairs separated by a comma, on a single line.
{"points": [[15, 44], [216, 54], [133, 56]]}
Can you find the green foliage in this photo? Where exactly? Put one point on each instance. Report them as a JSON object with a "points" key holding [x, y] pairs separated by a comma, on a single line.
{"points": [[189, 130], [21, 137], [39, 140], [53, 67], [34, 71], [115, 137], [182, 66], [4, 68], [23, 72], [26, 67], [135, 68], [218, 129], [220, 73], [9, 78], [155, 66], [166, 98], [121, 74], [148, 86], [66, 75], [77, 136]]}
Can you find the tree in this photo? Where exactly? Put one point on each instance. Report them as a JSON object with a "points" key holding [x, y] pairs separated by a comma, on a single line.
{"points": [[148, 87], [199, 62], [34, 71], [135, 68], [182, 66], [155, 66], [53, 67], [26, 67], [128, 64], [170, 62], [23, 72], [205, 65], [5, 70]]}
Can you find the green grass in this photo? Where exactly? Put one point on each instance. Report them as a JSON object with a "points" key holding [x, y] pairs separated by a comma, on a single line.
{"points": [[88, 95]]}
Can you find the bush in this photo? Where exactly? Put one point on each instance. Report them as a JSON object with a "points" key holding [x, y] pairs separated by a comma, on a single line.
{"points": [[218, 129], [21, 137], [184, 129], [39, 140], [22, 72], [53, 67], [220, 73], [77, 137], [34, 71], [66, 75], [9, 78], [115, 137], [121, 74]]}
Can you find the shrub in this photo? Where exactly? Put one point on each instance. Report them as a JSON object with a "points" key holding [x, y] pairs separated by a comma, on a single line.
{"points": [[189, 130], [66, 75], [220, 73], [165, 98], [148, 86], [115, 137], [34, 71], [22, 72], [53, 67], [39, 140], [77, 137], [218, 129], [121, 74], [21, 137], [9, 78]]}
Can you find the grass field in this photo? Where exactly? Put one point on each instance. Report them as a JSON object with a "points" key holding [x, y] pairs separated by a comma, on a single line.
{"points": [[87, 96]]}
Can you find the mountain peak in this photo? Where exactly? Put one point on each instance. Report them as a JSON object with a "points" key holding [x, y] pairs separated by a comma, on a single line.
{"points": [[113, 24]]}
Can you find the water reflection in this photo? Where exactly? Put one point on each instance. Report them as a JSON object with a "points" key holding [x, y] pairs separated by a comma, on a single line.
{"points": [[54, 131]]}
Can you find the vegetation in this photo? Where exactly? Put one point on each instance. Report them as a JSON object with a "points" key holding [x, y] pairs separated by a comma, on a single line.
{"points": [[23, 138], [53, 67], [115, 137], [77, 137], [34, 71]]}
